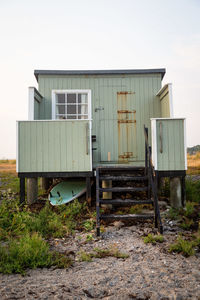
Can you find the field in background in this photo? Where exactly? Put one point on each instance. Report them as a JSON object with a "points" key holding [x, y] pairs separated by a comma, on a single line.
{"points": [[7, 166], [193, 163]]}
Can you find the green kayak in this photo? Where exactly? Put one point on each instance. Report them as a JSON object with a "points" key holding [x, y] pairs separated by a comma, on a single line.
{"points": [[67, 191]]}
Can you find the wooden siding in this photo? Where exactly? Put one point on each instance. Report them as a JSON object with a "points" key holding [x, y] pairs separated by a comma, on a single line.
{"points": [[104, 96], [53, 146], [164, 96], [171, 132]]}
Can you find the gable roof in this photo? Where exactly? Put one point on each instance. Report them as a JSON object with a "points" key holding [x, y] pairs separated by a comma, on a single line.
{"points": [[99, 72]]}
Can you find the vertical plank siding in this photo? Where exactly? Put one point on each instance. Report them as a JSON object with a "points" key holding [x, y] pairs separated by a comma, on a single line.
{"points": [[173, 155], [104, 90], [165, 102], [52, 146]]}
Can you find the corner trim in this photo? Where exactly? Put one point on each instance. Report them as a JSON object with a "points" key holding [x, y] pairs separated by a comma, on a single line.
{"points": [[31, 103]]}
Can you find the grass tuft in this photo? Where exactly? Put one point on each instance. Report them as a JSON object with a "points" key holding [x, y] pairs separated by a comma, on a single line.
{"points": [[182, 246], [153, 239]]}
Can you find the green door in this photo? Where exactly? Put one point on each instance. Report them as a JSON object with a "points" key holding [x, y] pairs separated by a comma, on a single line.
{"points": [[117, 117]]}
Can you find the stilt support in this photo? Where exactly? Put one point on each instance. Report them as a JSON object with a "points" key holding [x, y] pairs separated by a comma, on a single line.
{"points": [[88, 193], [22, 190], [32, 190]]}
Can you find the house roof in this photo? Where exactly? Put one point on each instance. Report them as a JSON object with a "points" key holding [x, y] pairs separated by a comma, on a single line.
{"points": [[99, 72]]}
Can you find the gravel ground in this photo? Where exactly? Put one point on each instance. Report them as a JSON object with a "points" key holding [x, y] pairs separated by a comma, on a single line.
{"points": [[149, 272]]}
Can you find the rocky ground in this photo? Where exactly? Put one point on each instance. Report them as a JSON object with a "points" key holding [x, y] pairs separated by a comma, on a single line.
{"points": [[150, 272]]}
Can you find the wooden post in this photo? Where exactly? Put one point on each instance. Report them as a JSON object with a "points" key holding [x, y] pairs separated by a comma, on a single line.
{"points": [[46, 183], [32, 190], [160, 185], [175, 192], [183, 194], [22, 189], [88, 191]]}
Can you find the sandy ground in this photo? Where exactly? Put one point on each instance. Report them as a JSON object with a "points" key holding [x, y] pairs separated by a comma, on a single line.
{"points": [[150, 272]]}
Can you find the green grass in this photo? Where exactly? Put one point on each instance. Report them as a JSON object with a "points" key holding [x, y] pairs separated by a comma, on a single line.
{"points": [[30, 251], [102, 253], [9, 183], [183, 246], [193, 190], [49, 222], [153, 239]]}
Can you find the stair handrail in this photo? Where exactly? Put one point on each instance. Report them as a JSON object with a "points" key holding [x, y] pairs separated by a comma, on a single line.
{"points": [[149, 167]]}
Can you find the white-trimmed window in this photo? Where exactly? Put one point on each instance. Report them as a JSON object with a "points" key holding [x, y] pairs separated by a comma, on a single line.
{"points": [[71, 104]]}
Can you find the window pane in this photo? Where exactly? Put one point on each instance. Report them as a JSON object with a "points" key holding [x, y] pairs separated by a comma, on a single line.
{"points": [[82, 98], [71, 98], [71, 109], [60, 109], [82, 109], [60, 98]]}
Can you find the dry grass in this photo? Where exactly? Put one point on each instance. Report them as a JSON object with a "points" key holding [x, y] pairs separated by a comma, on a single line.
{"points": [[193, 163], [7, 166]]}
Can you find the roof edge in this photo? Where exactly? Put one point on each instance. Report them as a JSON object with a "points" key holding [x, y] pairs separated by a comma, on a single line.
{"points": [[99, 72]]}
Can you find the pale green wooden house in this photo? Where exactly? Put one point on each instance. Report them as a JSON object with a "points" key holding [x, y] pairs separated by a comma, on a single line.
{"points": [[79, 120]]}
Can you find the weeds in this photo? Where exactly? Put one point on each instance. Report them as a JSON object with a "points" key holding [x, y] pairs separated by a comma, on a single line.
{"points": [[102, 253], [182, 246], [30, 251], [89, 225], [153, 239], [193, 190], [89, 238]]}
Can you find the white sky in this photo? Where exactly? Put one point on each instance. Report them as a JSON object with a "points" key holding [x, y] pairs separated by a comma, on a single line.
{"points": [[98, 34]]}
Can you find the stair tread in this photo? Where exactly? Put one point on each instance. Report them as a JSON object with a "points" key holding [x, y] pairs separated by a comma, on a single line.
{"points": [[125, 189], [128, 216], [120, 167], [125, 201], [120, 177]]}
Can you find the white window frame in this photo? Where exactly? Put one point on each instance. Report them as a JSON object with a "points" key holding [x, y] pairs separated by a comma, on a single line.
{"points": [[54, 92]]}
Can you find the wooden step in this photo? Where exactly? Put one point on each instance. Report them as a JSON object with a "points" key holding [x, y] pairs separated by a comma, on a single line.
{"points": [[124, 189], [120, 168], [125, 201], [127, 217], [124, 178]]}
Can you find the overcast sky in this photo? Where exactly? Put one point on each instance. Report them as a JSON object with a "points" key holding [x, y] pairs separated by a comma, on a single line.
{"points": [[98, 34]]}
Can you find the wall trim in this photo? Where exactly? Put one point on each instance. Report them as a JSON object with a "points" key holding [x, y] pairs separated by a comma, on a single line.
{"points": [[154, 143], [31, 103]]}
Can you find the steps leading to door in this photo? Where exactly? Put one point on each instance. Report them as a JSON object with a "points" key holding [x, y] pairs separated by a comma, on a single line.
{"points": [[125, 179]]}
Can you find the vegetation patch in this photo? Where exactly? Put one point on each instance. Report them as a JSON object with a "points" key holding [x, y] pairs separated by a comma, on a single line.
{"points": [[30, 251], [102, 253], [153, 239], [186, 247]]}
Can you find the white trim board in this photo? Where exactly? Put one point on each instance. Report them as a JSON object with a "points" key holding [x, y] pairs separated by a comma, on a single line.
{"points": [[171, 108], [17, 145], [31, 103], [185, 143], [154, 143]]}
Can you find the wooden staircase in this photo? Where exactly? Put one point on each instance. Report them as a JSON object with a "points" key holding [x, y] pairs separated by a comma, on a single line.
{"points": [[138, 182]]}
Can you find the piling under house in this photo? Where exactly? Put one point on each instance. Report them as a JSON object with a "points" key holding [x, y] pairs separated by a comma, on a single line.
{"points": [[103, 124]]}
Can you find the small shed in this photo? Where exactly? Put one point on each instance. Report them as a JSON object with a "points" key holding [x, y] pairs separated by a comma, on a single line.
{"points": [[80, 120]]}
